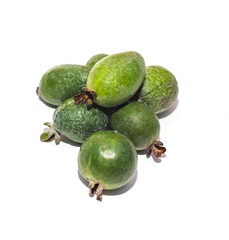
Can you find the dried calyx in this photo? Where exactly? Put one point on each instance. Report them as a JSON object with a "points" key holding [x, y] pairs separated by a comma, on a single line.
{"points": [[50, 134], [156, 148], [87, 96], [37, 91], [95, 188]]}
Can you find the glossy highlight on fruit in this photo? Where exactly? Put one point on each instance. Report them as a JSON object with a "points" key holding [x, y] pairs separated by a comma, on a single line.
{"points": [[159, 90], [107, 160], [140, 124], [93, 60], [116, 78], [75, 122], [61, 82]]}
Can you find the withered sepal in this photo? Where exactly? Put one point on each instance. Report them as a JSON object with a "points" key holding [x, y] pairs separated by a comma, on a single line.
{"points": [[50, 134], [37, 91], [95, 188], [86, 96], [156, 148]]}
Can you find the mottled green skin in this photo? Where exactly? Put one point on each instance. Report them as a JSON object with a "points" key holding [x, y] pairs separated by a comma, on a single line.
{"points": [[93, 60], [116, 78], [76, 122], [138, 122], [62, 82], [109, 158], [159, 89]]}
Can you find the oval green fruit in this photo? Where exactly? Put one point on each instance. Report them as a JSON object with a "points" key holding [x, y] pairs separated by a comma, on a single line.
{"points": [[75, 122], [61, 82], [93, 60], [140, 124], [159, 90], [116, 78], [107, 160]]}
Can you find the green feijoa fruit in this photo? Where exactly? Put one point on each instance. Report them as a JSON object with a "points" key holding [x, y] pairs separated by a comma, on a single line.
{"points": [[114, 79], [93, 60], [159, 90], [140, 124], [75, 122], [61, 82], [107, 160]]}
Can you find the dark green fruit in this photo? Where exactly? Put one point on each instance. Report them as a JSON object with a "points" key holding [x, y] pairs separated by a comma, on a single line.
{"points": [[62, 82], [115, 79], [107, 160], [140, 124], [75, 122], [93, 60], [159, 90]]}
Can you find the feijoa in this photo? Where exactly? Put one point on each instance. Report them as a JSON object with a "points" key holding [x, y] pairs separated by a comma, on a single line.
{"points": [[107, 160], [61, 82], [140, 124], [114, 79], [75, 122], [93, 60], [159, 90]]}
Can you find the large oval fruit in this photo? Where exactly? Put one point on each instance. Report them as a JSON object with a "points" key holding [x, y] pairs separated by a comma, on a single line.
{"points": [[116, 78], [140, 124], [159, 90], [94, 59], [75, 122], [62, 82], [107, 160]]}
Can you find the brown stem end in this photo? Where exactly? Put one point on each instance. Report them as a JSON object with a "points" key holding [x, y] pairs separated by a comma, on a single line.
{"points": [[156, 148], [95, 188], [86, 96], [37, 91]]}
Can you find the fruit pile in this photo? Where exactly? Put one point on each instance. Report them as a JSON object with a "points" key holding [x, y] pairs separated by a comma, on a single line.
{"points": [[109, 106]]}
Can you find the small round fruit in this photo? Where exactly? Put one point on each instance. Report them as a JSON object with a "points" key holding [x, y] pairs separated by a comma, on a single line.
{"points": [[93, 60], [140, 124], [75, 122], [114, 79], [62, 82], [107, 160], [159, 90]]}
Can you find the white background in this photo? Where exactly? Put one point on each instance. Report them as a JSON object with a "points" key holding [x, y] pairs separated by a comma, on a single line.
{"points": [[183, 197]]}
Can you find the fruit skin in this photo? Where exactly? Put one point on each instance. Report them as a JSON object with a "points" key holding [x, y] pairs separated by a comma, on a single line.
{"points": [[76, 122], [61, 82], [93, 60], [108, 158], [138, 122], [116, 78], [159, 90]]}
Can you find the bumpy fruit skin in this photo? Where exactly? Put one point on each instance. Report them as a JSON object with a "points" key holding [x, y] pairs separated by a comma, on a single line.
{"points": [[93, 60], [62, 82], [138, 122], [116, 78], [159, 90], [76, 122], [109, 158]]}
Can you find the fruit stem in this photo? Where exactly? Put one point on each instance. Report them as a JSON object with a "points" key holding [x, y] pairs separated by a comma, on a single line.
{"points": [[50, 134], [95, 188], [87, 96], [156, 148], [37, 92]]}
